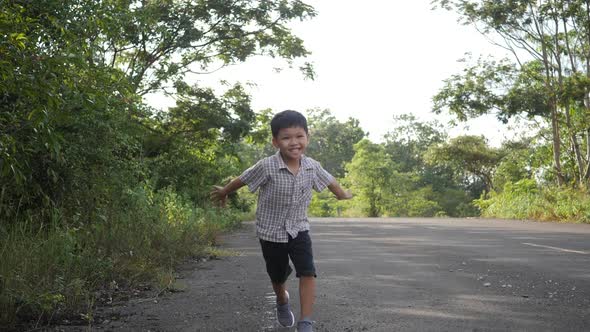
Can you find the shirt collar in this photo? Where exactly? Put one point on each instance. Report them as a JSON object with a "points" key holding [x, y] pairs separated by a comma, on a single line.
{"points": [[305, 162]]}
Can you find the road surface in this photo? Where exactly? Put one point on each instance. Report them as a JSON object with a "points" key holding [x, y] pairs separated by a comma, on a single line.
{"points": [[393, 275]]}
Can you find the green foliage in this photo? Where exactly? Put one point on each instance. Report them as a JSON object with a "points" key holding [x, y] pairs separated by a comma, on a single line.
{"points": [[469, 154], [73, 74], [381, 190], [526, 200], [393, 178], [517, 163], [413, 203], [331, 141], [77, 142], [476, 91], [410, 139], [54, 271], [520, 200], [438, 187], [324, 204], [369, 174], [551, 85]]}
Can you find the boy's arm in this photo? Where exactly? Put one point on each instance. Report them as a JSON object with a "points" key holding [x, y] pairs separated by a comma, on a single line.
{"points": [[337, 190], [219, 194]]}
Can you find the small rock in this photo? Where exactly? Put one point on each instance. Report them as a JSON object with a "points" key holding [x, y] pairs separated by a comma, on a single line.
{"points": [[487, 284]]}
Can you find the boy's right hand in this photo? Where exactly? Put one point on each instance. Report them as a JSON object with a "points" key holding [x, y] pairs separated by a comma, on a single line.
{"points": [[347, 194], [218, 196]]}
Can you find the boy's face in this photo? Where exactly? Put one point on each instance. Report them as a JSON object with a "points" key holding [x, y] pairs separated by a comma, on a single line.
{"points": [[291, 142]]}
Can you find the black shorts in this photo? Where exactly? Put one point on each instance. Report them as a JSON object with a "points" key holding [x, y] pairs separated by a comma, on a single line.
{"points": [[276, 255]]}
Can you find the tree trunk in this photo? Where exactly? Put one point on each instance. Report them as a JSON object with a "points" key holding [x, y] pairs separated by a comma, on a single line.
{"points": [[556, 145], [575, 146], [568, 121], [549, 77], [587, 173]]}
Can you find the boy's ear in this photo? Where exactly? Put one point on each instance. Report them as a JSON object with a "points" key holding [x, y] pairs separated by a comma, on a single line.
{"points": [[274, 142]]}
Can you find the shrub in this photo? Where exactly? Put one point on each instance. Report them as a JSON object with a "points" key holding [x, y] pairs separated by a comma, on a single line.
{"points": [[52, 271], [526, 200]]}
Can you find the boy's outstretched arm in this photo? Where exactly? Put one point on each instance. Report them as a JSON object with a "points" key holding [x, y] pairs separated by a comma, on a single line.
{"points": [[219, 194], [337, 190]]}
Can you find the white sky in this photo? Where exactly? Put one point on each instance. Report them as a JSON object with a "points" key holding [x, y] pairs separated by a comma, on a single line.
{"points": [[373, 59]]}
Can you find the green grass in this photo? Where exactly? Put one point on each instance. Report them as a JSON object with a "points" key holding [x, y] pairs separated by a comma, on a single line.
{"points": [[55, 270], [526, 200]]}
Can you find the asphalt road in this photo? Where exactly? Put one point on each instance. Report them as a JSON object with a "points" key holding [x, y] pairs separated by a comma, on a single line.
{"points": [[393, 275]]}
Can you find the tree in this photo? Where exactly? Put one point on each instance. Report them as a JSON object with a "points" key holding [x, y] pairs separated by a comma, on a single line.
{"points": [[73, 127], [411, 138], [157, 42], [369, 174], [332, 141], [517, 162], [469, 154], [407, 145], [555, 34]]}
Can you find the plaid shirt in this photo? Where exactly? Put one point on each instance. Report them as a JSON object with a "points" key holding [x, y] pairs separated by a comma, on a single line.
{"points": [[283, 197]]}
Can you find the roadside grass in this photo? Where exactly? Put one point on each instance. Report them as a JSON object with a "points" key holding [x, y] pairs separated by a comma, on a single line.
{"points": [[57, 270], [526, 200]]}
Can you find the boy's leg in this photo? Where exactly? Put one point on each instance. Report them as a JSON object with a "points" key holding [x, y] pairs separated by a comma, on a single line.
{"points": [[277, 266], [276, 258], [301, 253], [307, 296], [281, 292]]}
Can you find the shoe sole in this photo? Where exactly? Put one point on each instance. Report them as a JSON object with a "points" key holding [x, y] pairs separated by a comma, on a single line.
{"points": [[291, 312]]}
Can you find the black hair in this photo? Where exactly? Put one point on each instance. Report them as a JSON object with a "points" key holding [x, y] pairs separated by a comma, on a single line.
{"points": [[287, 119]]}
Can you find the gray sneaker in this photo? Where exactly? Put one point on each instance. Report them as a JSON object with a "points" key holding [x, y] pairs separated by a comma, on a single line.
{"points": [[284, 314], [304, 326]]}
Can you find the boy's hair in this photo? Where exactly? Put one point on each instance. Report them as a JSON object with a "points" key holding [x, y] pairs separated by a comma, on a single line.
{"points": [[287, 119]]}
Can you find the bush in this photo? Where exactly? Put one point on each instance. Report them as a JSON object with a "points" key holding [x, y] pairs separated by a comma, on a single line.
{"points": [[525, 200], [54, 271]]}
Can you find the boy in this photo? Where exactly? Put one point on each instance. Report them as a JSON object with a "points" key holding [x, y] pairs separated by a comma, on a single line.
{"points": [[285, 181]]}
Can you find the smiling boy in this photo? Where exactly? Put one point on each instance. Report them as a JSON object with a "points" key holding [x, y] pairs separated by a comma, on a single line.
{"points": [[285, 181]]}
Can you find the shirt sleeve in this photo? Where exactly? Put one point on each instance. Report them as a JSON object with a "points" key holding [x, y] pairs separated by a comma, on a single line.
{"points": [[321, 178], [254, 176]]}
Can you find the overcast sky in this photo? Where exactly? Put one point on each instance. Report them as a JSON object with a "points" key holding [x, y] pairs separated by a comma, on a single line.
{"points": [[373, 59]]}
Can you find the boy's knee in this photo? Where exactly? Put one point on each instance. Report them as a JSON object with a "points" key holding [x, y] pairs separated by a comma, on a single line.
{"points": [[306, 274]]}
